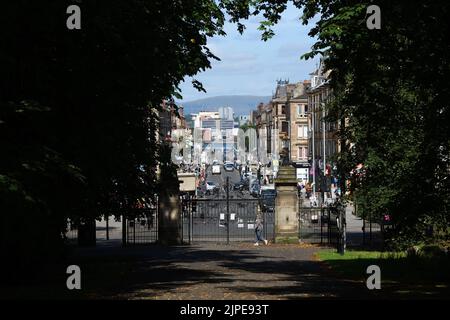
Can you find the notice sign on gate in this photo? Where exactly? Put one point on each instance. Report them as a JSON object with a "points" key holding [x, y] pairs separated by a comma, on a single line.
{"points": [[302, 174], [209, 222]]}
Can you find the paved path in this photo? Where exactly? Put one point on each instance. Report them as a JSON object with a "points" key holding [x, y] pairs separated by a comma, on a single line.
{"points": [[237, 271]]}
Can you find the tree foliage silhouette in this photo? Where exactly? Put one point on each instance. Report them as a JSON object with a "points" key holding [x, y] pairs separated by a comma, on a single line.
{"points": [[390, 87]]}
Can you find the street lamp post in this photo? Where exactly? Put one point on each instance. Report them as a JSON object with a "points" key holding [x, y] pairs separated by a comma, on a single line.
{"points": [[313, 145], [324, 147], [228, 210]]}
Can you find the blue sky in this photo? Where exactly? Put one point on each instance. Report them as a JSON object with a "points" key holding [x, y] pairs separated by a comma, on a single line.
{"points": [[250, 66]]}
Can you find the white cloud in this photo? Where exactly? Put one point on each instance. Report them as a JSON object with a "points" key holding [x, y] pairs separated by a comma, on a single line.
{"points": [[251, 66]]}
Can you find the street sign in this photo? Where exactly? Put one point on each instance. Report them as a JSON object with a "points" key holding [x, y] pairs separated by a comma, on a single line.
{"points": [[302, 165]]}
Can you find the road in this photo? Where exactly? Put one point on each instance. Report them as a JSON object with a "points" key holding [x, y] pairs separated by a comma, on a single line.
{"points": [[221, 179]]}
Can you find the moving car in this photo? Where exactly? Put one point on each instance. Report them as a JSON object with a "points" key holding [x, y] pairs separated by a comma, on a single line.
{"points": [[216, 167], [228, 166]]}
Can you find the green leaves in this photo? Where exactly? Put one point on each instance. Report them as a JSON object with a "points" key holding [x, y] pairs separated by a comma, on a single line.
{"points": [[389, 86], [198, 85], [78, 109]]}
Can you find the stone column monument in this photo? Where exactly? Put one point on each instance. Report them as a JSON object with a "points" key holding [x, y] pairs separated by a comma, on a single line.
{"points": [[169, 204], [286, 206], [169, 218]]}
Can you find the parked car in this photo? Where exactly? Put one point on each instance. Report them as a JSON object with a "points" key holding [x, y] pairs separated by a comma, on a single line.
{"points": [[210, 186], [248, 175], [255, 189], [241, 185], [268, 199]]}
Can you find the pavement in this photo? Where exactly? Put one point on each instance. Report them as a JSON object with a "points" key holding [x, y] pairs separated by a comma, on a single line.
{"points": [[208, 271]]}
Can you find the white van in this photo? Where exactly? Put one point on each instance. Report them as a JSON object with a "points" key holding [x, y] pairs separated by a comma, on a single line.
{"points": [[216, 167]]}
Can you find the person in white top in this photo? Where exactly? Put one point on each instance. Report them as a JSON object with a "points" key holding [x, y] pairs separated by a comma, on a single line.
{"points": [[258, 231]]}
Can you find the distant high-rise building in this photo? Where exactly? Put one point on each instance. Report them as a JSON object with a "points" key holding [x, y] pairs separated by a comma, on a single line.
{"points": [[226, 113]]}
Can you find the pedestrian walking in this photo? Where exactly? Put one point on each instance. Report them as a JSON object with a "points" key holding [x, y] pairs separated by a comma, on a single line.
{"points": [[258, 231]]}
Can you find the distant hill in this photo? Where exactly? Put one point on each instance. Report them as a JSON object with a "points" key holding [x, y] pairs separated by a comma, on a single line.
{"points": [[242, 105]]}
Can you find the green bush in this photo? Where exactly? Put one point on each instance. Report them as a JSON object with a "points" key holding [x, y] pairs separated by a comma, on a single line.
{"points": [[432, 251]]}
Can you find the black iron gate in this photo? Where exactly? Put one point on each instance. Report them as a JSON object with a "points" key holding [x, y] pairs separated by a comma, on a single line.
{"points": [[203, 219], [141, 228], [223, 221], [319, 225]]}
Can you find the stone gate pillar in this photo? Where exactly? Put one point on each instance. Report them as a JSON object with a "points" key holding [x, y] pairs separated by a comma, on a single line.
{"points": [[169, 219], [286, 206], [169, 204], [87, 233]]}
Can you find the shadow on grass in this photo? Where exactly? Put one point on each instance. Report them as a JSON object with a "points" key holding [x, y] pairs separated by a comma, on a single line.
{"points": [[401, 276]]}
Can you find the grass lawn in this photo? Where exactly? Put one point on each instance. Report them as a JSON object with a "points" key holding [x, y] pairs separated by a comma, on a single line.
{"points": [[399, 274]]}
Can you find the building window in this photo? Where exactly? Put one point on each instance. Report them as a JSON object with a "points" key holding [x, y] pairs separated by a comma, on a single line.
{"points": [[269, 140], [302, 153], [302, 110], [302, 131], [299, 131], [285, 127]]}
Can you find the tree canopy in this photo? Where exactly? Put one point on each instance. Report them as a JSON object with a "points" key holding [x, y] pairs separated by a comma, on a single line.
{"points": [[78, 109], [390, 87]]}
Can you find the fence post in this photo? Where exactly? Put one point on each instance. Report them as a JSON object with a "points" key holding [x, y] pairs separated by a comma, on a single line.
{"points": [[341, 243], [329, 226], [184, 216], [134, 231], [258, 210], [364, 229], [191, 223], [322, 211], [107, 226], [124, 231], [228, 210]]}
